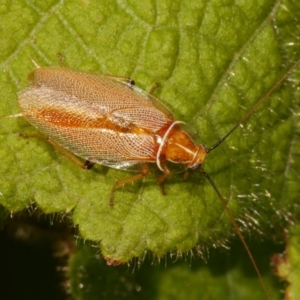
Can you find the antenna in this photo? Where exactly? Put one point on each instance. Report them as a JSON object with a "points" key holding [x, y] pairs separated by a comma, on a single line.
{"points": [[238, 231], [249, 113], [223, 202]]}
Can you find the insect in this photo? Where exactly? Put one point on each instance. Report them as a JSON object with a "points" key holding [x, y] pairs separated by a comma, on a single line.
{"points": [[108, 121]]}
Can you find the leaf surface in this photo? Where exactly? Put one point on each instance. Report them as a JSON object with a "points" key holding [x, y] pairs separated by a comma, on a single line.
{"points": [[214, 61]]}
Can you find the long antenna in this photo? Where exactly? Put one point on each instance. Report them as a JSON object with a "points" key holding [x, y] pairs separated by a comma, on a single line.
{"points": [[238, 231], [223, 202], [249, 113]]}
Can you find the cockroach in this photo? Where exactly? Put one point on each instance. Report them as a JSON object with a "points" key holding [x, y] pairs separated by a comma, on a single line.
{"points": [[109, 121]]}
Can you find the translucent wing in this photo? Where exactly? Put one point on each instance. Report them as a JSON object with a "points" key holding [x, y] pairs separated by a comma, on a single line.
{"points": [[93, 116]]}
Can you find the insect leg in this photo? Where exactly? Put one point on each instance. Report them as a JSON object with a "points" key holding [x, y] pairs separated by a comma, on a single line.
{"points": [[163, 177], [143, 174], [153, 88], [61, 60], [87, 165]]}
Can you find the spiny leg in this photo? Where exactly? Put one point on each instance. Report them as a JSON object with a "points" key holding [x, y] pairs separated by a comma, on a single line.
{"points": [[61, 60], [153, 88], [163, 177], [143, 174], [86, 165]]}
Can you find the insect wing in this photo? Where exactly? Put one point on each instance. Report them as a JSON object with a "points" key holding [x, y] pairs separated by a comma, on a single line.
{"points": [[155, 102], [93, 116]]}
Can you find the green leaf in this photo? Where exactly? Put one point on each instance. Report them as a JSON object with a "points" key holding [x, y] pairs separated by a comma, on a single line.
{"points": [[93, 279], [214, 61], [287, 265], [226, 277]]}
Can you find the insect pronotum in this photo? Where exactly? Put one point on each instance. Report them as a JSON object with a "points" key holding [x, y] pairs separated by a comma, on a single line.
{"points": [[108, 121]]}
